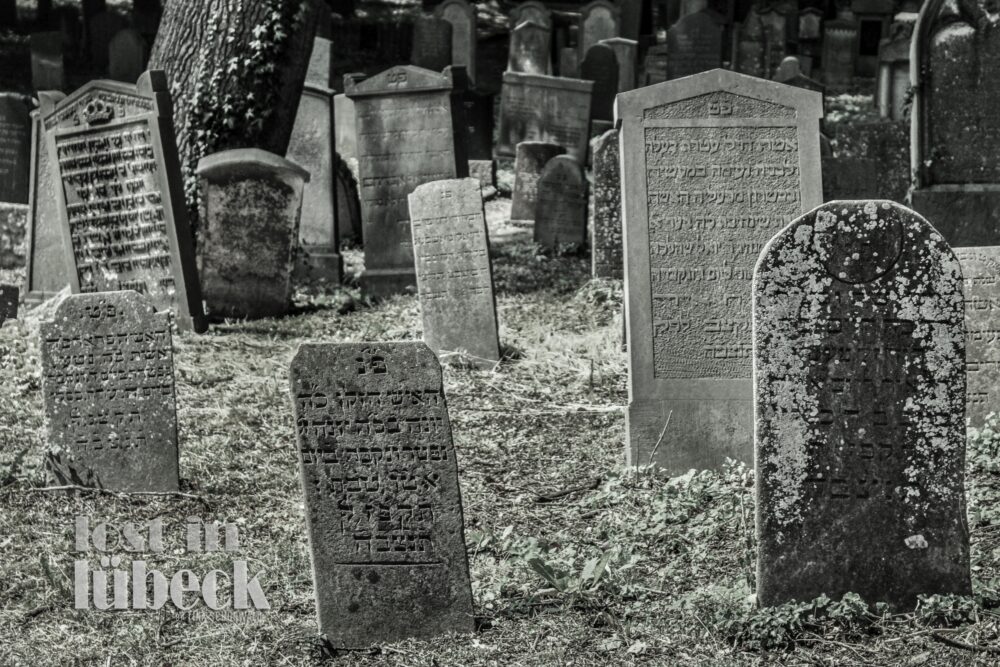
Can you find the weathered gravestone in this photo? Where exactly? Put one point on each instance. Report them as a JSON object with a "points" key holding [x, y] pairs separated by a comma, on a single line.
{"points": [[530, 11], [981, 276], [892, 91], [411, 131], [461, 14], [654, 65], [626, 53], [345, 128], [349, 224], [561, 205], [544, 108], [530, 49], [431, 43], [113, 159], [569, 62], [713, 166], [601, 67], [599, 20], [13, 221], [955, 135], [860, 409], [840, 50], [382, 500], [531, 158], [790, 73], [694, 44], [47, 72], [127, 55], [454, 274], [251, 201], [775, 38], [108, 384], [749, 46], [606, 207], [8, 303], [485, 172], [479, 110], [15, 147]]}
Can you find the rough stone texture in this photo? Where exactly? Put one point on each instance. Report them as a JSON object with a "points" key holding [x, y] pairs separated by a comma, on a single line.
{"points": [[775, 37], [15, 147], [569, 62], [531, 158], [713, 166], [860, 405], [869, 160], [626, 54], [462, 17], [532, 10], [981, 278], [694, 44], [8, 303], [601, 66], [840, 52], [114, 164], [561, 205], [599, 20], [411, 130], [382, 500], [345, 129], [606, 207], [127, 55], [454, 274], [529, 49], [544, 108], [13, 221], [431, 43], [251, 201], [485, 172], [47, 71], [790, 72], [108, 385]]}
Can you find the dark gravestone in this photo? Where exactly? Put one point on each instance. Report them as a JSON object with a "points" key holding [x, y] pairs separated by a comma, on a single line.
{"points": [[871, 161], [127, 55], [101, 29], [750, 46], [47, 70], [479, 110], [8, 303], [431, 43], [654, 65], [775, 39], [561, 205], [569, 62], [713, 167], [531, 158], [349, 223], [981, 276], [626, 53], [146, 15], [382, 500], [544, 108], [599, 20], [108, 384], [454, 274], [113, 159], [48, 266], [601, 67], [15, 147], [694, 44], [462, 17], [840, 50], [13, 222], [860, 409], [530, 49], [606, 207], [410, 130], [250, 206]]}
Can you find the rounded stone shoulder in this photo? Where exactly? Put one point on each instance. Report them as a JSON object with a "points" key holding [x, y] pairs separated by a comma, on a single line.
{"points": [[248, 162]]}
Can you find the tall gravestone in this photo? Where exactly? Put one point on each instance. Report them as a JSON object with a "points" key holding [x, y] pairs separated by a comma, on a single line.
{"points": [[531, 158], [694, 45], [47, 67], [955, 130], [127, 55], [461, 14], [530, 49], [108, 385], [892, 91], [713, 166], [431, 43], [750, 45], [599, 20], [606, 207], [544, 108], [15, 147], [410, 130], [382, 501], [532, 10], [47, 266], [840, 50], [113, 159], [454, 273], [345, 128], [981, 277], [626, 54], [601, 66], [860, 409], [561, 205]]}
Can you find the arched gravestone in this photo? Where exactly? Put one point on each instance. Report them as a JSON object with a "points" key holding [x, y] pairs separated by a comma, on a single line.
{"points": [[47, 266], [127, 55], [462, 17], [530, 11], [713, 166], [599, 20], [981, 274], [694, 45], [530, 50], [860, 409], [531, 158], [561, 205], [601, 66], [955, 128], [626, 53], [382, 500]]}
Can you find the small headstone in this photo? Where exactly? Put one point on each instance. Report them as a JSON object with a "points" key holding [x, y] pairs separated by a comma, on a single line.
{"points": [[533, 10], [454, 274], [840, 50], [606, 207], [530, 49], [15, 147], [8, 303], [13, 224], [531, 158], [694, 44], [461, 14], [599, 20], [108, 385], [544, 108], [569, 62], [981, 274], [790, 73], [860, 409], [485, 172], [101, 29], [127, 56], [47, 70], [626, 53], [251, 201], [479, 111], [431, 43], [382, 499], [561, 205], [601, 67]]}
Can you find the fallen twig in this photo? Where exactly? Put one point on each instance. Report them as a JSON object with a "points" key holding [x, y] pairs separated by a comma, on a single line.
{"points": [[590, 485], [957, 643]]}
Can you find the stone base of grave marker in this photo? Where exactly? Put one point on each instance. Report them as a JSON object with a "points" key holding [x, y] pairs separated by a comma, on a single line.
{"points": [[966, 215]]}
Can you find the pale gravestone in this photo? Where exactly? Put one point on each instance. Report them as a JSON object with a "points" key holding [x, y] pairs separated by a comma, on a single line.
{"points": [[599, 20], [8, 303], [47, 68], [530, 11], [840, 50], [410, 131], [127, 55], [981, 274], [108, 385], [382, 502], [561, 205], [544, 108], [531, 158], [345, 128], [601, 66], [530, 49], [431, 43], [113, 158], [47, 269], [606, 207], [694, 45], [626, 53], [251, 203], [461, 14], [860, 409], [454, 274], [15, 147], [713, 167]]}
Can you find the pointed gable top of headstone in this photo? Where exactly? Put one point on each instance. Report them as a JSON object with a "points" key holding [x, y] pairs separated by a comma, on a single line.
{"points": [[103, 100], [404, 78]]}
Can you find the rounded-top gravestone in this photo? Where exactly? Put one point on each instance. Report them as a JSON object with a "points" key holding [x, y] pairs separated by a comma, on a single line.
{"points": [[601, 66], [561, 205]]}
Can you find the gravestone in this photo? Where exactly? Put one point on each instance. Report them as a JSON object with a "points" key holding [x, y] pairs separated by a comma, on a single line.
{"points": [[599, 20], [47, 264], [694, 45], [485, 172], [956, 88], [251, 201], [479, 110], [654, 65], [320, 69], [349, 223], [840, 50], [561, 205], [411, 131], [127, 55], [531, 158], [345, 128], [15, 147], [102, 27], [462, 16], [775, 38], [530, 49], [8, 303], [544, 108], [530, 11], [713, 167], [981, 277], [860, 409], [108, 385], [790, 73], [47, 71], [454, 274], [431, 43], [13, 222], [750, 45], [626, 53], [606, 207], [893, 85], [382, 500], [113, 160], [569, 62], [601, 67]]}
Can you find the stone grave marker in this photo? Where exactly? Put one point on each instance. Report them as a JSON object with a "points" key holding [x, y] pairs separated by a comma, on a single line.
{"points": [[113, 159], [349, 224], [530, 49], [860, 409], [461, 14], [599, 20], [411, 131], [713, 167], [626, 53], [127, 55], [750, 45], [544, 108], [840, 50], [345, 128], [320, 69], [531, 158], [431, 43], [102, 27], [601, 66], [479, 110], [251, 201], [8, 303], [108, 387], [15, 147], [606, 207], [790, 73], [654, 65], [485, 172], [981, 277], [454, 274], [569, 62], [561, 205], [893, 84], [530, 11], [694, 45], [382, 501], [47, 70]]}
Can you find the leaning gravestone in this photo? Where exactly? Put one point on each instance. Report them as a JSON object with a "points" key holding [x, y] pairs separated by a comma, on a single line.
{"points": [[544, 108], [8, 303], [461, 14], [599, 20], [601, 66], [694, 45], [713, 166], [15, 147], [127, 55], [108, 384], [860, 409], [47, 68], [251, 201], [606, 207], [431, 43], [981, 275], [531, 158], [113, 158], [454, 274], [382, 501], [410, 131], [47, 269], [529, 50], [561, 205]]}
